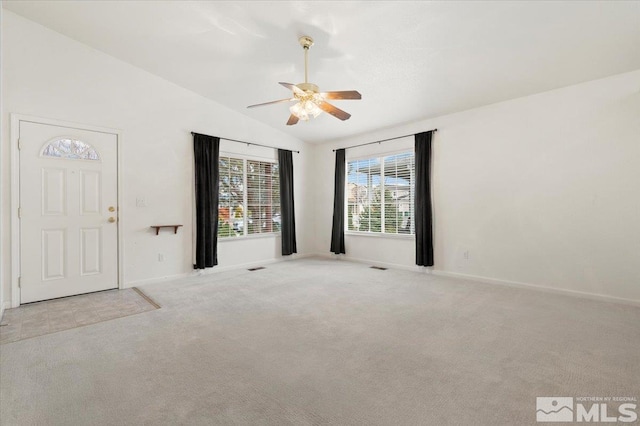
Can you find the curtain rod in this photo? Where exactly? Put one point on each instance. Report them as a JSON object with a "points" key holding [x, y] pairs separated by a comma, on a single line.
{"points": [[250, 143], [383, 140]]}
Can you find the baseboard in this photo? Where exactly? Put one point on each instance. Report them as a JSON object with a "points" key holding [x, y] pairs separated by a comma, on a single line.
{"points": [[215, 270], [156, 280], [537, 287], [486, 280], [413, 268], [3, 307]]}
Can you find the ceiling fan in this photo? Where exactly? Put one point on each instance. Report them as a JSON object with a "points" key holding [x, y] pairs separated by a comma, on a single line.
{"points": [[310, 101]]}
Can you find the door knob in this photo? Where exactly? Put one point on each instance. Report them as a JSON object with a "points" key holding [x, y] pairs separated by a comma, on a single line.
{"points": [[112, 219], [112, 209]]}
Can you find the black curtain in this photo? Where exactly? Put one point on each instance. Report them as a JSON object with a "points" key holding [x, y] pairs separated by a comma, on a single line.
{"points": [[337, 232], [287, 211], [206, 150], [424, 232]]}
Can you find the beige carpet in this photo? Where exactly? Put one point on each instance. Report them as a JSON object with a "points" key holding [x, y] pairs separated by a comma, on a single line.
{"points": [[313, 342]]}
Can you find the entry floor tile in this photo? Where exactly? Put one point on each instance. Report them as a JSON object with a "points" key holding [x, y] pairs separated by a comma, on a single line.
{"points": [[50, 316]]}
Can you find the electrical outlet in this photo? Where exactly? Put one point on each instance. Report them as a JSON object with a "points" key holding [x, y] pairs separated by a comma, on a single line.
{"points": [[141, 202], [160, 257], [466, 255]]}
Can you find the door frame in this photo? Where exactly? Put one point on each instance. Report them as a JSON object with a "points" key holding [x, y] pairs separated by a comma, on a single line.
{"points": [[16, 119]]}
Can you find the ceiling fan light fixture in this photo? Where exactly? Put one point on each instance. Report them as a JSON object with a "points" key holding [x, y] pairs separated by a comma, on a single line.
{"points": [[299, 111], [305, 109], [307, 106]]}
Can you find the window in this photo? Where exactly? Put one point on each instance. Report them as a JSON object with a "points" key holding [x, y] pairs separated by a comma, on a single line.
{"points": [[249, 197], [263, 197], [380, 194], [70, 149], [231, 197]]}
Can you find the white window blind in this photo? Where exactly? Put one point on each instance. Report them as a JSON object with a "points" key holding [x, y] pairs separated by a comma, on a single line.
{"points": [[399, 189], [249, 197], [231, 197], [263, 197], [380, 193]]}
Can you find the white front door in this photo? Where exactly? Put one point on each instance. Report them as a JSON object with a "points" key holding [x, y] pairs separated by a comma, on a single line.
{"points": [[68, 211]]}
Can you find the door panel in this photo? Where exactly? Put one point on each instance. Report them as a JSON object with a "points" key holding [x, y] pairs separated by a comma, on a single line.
{"points": [[90, 247], [54, 249], [68, 180], [54, 193], [90, 193]]}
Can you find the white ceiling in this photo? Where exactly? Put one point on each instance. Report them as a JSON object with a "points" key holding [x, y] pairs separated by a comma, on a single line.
{"points": [[410, 60]]}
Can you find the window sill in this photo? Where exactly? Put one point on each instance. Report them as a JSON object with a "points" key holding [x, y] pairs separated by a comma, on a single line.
{"points": [[249, 237], [380, 235]]}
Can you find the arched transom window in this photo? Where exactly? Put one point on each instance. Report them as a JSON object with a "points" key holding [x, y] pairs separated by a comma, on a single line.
{"points": [[70, 149]]}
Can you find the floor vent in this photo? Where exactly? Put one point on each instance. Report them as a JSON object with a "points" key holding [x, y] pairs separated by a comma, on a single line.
{"points": [[379, 268], [257, 268]]}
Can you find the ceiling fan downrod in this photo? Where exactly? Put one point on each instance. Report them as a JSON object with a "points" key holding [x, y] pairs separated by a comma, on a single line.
{"points": [[306, 42]]}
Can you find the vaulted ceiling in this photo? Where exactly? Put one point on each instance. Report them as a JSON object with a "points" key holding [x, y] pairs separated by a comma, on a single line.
{"points": [[410, 60]]}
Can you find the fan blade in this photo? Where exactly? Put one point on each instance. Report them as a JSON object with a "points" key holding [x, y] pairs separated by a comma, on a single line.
{"points": [[293, 88], [272, 102], [292, 120], [336, 112], [345, 94]]}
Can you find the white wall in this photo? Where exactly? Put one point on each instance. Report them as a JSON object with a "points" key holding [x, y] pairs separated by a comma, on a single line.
{"points": [[49, 75], [542, 190]]}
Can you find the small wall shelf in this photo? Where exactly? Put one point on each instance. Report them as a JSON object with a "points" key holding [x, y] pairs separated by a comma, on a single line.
{"points": [[157, 228]]}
